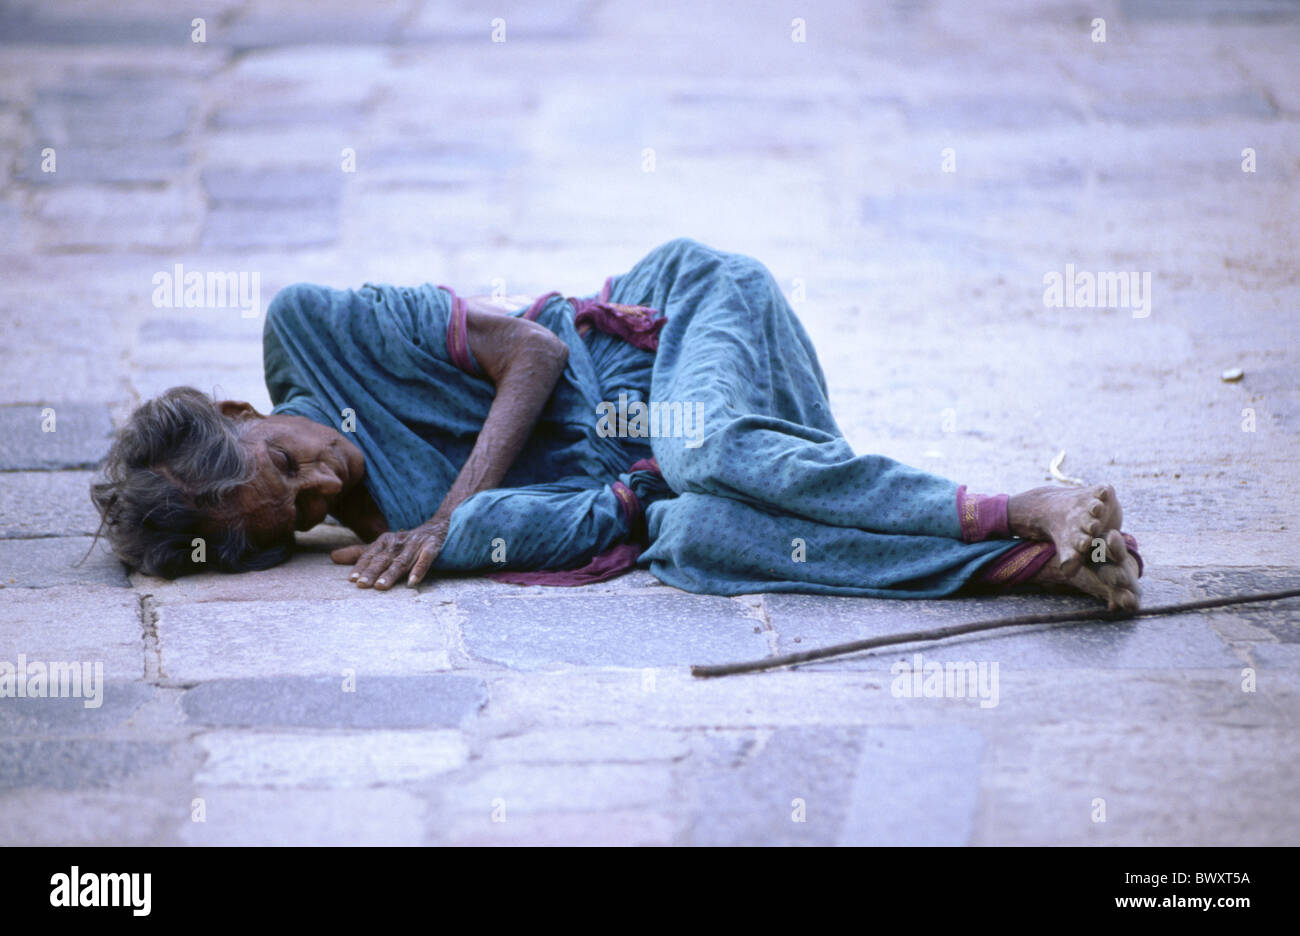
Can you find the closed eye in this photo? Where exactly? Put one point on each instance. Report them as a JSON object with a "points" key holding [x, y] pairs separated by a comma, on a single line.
{"points": [[283, 460]]}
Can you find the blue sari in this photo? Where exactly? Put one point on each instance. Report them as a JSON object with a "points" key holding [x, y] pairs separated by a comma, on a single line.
{"points": [[756, 489]]}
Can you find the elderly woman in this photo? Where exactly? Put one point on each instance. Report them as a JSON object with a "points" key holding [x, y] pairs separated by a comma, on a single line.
{"points": [[678, 419]]}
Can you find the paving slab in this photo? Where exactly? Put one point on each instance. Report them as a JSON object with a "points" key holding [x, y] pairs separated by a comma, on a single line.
{"points": [[631, 631], [83, 217], [792, 789], [279, 23], [441, 701], [272, 187], [46, 503], [111, 706], [1281, 619], [241, 817], [75, 764], [53, 24], [592, 744], [237, 639], [62, 560], [443, 589], [813, 697], [54, 435], [309, 575], [913, 787], [463, 20], [602, 828], [74, 623], [113, 109], [549, 788], [260, 228], [140, 163], [330, 761], [36, 817], [1209, 784], [980, 114]]}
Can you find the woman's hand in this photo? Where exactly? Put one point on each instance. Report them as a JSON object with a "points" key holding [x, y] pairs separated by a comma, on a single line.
{"points": [[392, 555], [524, 360]]}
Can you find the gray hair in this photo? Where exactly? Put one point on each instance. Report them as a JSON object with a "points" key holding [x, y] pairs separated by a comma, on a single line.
{"points": [[166, 480]]}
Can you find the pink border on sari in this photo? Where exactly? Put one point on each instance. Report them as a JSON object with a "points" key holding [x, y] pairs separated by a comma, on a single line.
{"points": [[539, 303], [982, 515], [1022, 562], [458, 335]]}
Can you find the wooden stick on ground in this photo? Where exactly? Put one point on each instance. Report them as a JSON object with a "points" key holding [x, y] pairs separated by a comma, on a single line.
{"points": [[954, 630]]}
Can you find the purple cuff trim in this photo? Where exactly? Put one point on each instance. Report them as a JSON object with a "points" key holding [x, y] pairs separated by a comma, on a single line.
{"points": [[982, 516], [609, 564], [458, 336], [604, 290], [539, 303], [1132, 544], [1018, 564], [1021, 563]]}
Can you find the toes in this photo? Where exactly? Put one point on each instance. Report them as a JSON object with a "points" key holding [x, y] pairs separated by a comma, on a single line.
{"points": [[1086, 581], [1081, 546], [1103, 492], [1113, 575], [1121, 599], [1095, 508], [1116, 550]]}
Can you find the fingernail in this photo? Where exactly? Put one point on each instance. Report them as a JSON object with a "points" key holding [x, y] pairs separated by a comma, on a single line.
{"points": [[382, 582], [352, 577], [363, 581]]}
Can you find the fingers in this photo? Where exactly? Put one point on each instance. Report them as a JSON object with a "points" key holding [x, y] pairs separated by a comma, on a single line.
{"points": [[347, 555], [381, 564], [422, 563], [397, 567], [375, 560]]}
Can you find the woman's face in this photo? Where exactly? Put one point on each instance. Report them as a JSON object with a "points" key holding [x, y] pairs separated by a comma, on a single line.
{"points": [[301, 469]]}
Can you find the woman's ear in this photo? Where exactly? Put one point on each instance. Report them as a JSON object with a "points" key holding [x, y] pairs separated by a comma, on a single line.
{"points": [[238, 409]]}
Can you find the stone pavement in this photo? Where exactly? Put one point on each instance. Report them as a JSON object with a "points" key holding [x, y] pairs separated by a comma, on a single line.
{"points": [[486, 713]]}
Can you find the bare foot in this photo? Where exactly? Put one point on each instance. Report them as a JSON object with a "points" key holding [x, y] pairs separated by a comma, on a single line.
{"points": [[1069, 518], [1114, 581]]}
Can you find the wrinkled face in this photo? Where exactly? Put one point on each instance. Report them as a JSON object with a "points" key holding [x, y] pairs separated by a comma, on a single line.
{"points": [[301, 469]]}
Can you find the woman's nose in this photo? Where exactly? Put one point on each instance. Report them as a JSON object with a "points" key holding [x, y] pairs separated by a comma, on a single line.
{"points": [[321, 478]]}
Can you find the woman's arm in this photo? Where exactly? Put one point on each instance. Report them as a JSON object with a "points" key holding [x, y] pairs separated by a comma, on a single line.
{"points": [[525, 361]]}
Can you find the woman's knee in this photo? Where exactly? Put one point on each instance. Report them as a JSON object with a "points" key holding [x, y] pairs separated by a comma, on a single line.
{"points": [[292, 302]]}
